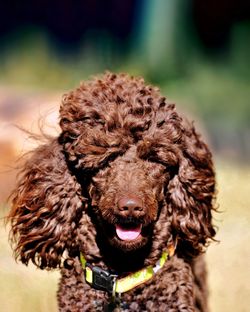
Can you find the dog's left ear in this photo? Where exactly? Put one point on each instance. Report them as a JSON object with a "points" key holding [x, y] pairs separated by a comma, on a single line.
{"points": [[45, 204], [191, 195]]}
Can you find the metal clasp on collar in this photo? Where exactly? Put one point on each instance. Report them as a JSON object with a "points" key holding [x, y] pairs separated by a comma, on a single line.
{"points": [[102, 279]]}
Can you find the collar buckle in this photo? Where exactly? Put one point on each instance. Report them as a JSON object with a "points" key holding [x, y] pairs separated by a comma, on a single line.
{"points": [[102, 279]]}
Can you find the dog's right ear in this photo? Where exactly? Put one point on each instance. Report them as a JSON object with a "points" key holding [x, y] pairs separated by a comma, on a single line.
{"points": [[44, 208]]}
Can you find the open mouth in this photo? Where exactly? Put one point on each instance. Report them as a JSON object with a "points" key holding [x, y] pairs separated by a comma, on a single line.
{"points": [[128, 232]]}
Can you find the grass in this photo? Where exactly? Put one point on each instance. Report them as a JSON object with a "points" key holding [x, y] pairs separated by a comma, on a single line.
{"points": [[229, 271], [28, 289], [24, 288]]}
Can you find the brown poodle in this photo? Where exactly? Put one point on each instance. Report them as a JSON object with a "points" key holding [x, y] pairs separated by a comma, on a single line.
{"points": [[121, 202]]}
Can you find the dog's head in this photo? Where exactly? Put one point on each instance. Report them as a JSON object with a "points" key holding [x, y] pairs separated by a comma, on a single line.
{"points": [[126, 197], [125, 161]]}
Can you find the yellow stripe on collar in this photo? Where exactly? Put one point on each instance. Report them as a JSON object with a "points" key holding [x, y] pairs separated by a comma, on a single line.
{"points": [[103, 280]]}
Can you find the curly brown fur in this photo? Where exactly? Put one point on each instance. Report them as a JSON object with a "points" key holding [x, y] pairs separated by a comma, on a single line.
{"points": [[120, 141]]}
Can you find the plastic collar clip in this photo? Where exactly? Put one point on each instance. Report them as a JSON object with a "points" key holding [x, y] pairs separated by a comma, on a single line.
{"points": [[100, 279]]}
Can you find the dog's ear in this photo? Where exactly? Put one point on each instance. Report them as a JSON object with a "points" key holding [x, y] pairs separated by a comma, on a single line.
{"points": [[191, 194], [44, 207]]}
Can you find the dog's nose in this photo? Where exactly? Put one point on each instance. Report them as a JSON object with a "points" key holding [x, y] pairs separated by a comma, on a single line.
{"points": [[130, 206]]}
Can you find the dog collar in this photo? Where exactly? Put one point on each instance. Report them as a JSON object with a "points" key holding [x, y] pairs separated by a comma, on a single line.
{"points": [[101, 279]]}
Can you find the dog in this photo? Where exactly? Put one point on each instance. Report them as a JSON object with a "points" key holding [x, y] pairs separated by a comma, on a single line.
{"points": [[121, 202]]}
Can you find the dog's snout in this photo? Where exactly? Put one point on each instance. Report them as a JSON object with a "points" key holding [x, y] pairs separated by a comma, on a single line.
{"points": [[130, 206]]}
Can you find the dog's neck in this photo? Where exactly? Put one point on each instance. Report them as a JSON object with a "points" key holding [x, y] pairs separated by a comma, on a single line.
{"points": [[113, 259], [121, 262], [98, 251]]}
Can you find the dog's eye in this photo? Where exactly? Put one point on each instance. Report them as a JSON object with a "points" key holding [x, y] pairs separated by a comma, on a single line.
{"points": [[171, 170]]}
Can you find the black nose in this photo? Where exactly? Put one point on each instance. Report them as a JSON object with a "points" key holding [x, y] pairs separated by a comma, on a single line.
{"points": [[130, 206]]}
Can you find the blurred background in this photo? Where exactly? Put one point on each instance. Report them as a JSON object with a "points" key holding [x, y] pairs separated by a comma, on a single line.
{"points": [[197, 52]]}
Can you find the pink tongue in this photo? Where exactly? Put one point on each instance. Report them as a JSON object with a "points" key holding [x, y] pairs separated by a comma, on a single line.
{"points": [[128, 234]]}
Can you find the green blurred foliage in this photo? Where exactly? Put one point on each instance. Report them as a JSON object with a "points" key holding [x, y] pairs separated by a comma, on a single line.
{"points": [[165, 49]]}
